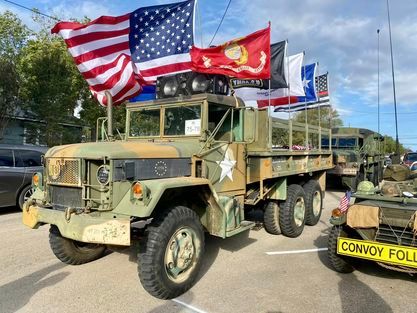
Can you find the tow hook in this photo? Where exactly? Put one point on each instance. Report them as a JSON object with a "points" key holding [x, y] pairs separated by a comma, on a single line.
{"points": [[68, 212]]}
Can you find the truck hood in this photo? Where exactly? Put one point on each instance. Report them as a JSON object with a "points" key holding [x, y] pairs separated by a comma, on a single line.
{"points": [[125, 150], [347, 155]]}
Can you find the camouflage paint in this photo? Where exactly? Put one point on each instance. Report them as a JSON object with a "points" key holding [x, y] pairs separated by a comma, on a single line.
{"points": [[221, 171]]}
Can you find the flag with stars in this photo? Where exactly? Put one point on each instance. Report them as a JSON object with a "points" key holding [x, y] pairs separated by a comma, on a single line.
{"points": [[308, 74], [160, 39], [121, 54], [322, 87]]}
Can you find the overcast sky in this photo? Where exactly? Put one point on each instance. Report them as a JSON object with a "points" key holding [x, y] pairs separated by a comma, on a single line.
{"points": [[340, 35]]}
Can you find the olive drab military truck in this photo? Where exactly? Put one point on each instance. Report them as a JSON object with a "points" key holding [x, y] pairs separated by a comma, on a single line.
{"points": [[380, 226], [356, 156], [187, 165]]}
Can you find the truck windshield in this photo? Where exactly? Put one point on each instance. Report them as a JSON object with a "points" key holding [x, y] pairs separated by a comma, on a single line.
{"points": [[347, 142], [145, 122], [182, 121], [325, 142], [178, 121]]}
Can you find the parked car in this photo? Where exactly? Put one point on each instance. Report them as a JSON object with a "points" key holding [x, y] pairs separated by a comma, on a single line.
{"points": [[410, 158], [17, 165]]}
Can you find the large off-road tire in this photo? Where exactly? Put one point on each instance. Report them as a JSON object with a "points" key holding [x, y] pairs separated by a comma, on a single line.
{"points": [[24, 195], [292, 212], [314, 202], [73, 252], [339, 263], [170, 255], [271, 218]]}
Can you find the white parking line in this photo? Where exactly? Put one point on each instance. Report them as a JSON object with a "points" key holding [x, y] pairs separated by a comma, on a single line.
{"points": [[193, 308], [296, 251]]}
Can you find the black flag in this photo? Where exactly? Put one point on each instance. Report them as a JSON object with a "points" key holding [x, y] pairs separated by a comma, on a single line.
{"points": [[277, 71]]}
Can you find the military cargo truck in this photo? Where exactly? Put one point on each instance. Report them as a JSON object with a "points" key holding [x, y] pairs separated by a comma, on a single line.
{"points": [[187, 165], [356, 156], [380, 226]]}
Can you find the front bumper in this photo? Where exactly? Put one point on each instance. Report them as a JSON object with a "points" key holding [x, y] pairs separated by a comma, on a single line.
{"points": [[343, 171], [80, 227]]}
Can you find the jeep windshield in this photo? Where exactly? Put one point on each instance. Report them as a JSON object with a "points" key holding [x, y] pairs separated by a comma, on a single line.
{"points": [[167, 121]]}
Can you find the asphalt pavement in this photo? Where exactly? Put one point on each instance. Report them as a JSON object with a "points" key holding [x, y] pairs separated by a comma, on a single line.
{"points": [[251, 272]]}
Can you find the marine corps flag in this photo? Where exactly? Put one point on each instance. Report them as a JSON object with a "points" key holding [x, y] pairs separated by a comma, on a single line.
{"points": [[247, 57]]}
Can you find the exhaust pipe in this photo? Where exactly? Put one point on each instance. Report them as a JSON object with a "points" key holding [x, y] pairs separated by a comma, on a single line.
{"points": [[109, 115]]}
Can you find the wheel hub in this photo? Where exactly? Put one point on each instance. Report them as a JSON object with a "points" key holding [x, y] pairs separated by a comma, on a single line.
{"points": [[316, 203], [180, 254], [299, 211]]}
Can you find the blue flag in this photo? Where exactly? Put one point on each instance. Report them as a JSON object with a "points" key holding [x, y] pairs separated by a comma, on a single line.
{"points": [[307, 76], [148, 93]]}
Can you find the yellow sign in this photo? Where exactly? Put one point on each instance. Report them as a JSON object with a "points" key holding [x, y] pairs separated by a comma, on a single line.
{"points": [[394, 254]]}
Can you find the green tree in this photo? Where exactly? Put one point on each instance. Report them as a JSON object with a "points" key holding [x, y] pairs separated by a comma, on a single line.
{"points": [[48, 85], [13, 36], [328, 116], [389, 145]]}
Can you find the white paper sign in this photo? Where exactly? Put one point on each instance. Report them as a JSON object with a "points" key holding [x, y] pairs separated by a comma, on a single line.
{"points": [[192, 127]]}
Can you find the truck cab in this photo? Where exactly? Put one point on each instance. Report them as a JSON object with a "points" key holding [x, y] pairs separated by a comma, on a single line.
{"points": [[357, 156]]}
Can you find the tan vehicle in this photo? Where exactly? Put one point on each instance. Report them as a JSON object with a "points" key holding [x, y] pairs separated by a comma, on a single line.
{"points": [[187, 165]]}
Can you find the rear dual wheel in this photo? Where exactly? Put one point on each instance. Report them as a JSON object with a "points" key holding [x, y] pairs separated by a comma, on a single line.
{"points": [[314, 202], [293, 211]]}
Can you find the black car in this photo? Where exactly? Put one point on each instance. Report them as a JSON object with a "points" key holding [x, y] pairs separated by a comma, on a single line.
{"points": [[17, 165]]}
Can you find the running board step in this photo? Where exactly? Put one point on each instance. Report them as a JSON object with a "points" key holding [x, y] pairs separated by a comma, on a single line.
{"points": [[244, 225]]}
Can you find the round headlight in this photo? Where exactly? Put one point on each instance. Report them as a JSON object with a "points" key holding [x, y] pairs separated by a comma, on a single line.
{"points": [[199, 83], [103, 174], [170, 87]]}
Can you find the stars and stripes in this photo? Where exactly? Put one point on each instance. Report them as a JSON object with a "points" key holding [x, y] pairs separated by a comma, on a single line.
{"points": [[161, 38], [344, 202], [120, 54], [322, 87]]}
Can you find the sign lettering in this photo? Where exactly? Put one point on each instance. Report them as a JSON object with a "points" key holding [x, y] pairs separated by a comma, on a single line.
{"points": [[394, 254]]}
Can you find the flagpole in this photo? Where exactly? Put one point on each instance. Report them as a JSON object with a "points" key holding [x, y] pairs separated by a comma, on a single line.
{"points": [[289, 111], [379, 131], [397, 144], [197, 8], [319, 116], [269, 83], [305, 104]]}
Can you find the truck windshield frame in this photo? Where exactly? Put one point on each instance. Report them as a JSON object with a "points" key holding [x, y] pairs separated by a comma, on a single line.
{"points": [[183, 120]]}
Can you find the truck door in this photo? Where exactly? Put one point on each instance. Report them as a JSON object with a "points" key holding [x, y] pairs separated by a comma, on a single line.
{"points": [[227, 161]]}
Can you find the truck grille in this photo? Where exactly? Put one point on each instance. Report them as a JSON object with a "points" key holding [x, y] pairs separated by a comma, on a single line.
{"points": [[396, 235], [65, 197], [63, 171]]}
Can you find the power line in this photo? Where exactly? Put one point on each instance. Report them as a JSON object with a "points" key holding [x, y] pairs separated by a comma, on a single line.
{"points": [[32, 10], [221, 21]]}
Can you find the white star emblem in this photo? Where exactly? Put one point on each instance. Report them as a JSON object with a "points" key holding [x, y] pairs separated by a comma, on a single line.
{"points": [[227, 166], [306, 82]]}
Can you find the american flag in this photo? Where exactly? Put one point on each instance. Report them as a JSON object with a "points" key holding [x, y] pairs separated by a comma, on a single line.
{"points": [[120, 54], [344, 202], [322, 87]]}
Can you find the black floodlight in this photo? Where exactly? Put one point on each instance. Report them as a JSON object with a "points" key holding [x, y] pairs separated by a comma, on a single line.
{"points": [[190, 83], [169, 86]]}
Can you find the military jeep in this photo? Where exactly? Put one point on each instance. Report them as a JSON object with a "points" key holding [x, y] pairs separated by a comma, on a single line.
{"points": [[380, 226]]}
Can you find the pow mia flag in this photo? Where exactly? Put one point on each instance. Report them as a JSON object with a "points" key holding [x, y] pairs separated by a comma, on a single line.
{"points": [[277, 71]]}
